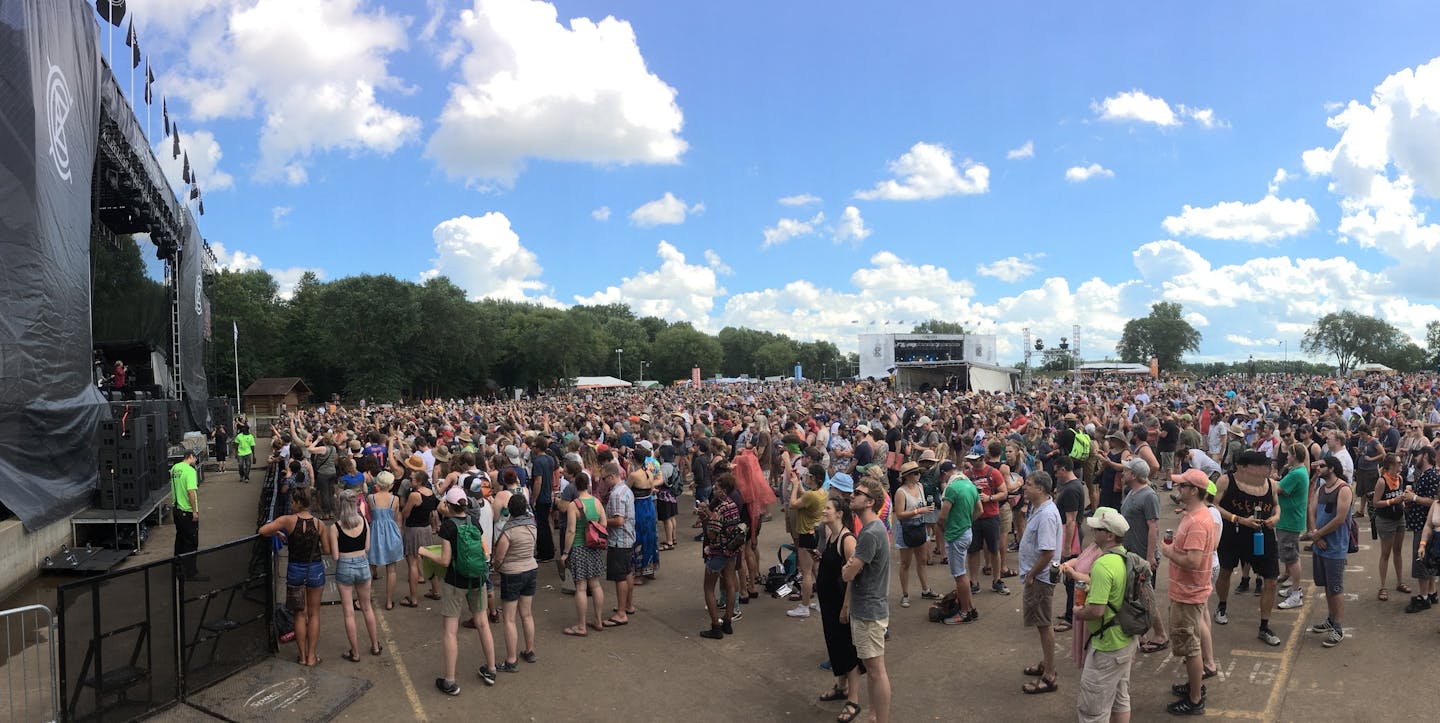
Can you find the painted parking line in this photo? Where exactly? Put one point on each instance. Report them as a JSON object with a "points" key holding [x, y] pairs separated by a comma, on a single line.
{"points": [[1281, 678], [400, 668], [1257, 653]]}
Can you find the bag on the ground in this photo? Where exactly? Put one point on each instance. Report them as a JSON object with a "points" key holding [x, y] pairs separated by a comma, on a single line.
{"points": [[1081, 449], [946, 607], [1133, 615], [284, 624], [470, 560], [783, 573]]}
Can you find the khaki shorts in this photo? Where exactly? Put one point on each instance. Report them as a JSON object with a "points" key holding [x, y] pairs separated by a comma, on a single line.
{"points": [[1186, 620], [1007, 519], [454, 600], [1105, 683], [791, 521], [1039, 604], [868, 637]]}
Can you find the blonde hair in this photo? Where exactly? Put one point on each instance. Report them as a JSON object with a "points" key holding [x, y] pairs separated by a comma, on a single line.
{"points": [[349, 509]]}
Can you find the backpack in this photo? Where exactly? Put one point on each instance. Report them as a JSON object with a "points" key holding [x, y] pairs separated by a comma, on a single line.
{"points": [[1133, 615], [486, 487], [671, 476], [946, 607], [1081, 448], [470, 560], [783, 575]]}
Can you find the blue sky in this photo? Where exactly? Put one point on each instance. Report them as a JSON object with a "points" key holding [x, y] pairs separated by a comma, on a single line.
{"points": [[1005, 165]]}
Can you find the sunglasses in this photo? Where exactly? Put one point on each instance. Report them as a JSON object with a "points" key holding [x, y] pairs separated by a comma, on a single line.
{"points": [[860, 493]]}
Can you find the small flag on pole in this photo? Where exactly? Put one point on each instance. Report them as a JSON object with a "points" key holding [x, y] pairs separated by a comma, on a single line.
{"points": [[112, 10], [165, 113], [175, 150], [134, 44], [185, 172], [149, 80]]}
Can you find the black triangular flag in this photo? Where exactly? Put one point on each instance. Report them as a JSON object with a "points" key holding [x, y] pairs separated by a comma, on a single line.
{"points": [[202, 207], [165, 113], [149, 79], [194, 192], [175, 152], [135, 53], [130, 35], [185, 173], [112, 10]]}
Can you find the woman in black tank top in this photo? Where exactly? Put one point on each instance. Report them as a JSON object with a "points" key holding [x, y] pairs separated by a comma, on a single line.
{"points": [[421, 521], [351, 541], [305, 573]]}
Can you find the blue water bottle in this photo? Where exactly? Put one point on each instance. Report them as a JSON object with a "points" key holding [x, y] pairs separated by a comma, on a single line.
{"points": [[1259, 537]]}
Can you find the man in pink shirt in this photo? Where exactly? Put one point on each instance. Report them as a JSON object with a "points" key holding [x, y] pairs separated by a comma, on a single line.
{"points": [[1190, 587]]}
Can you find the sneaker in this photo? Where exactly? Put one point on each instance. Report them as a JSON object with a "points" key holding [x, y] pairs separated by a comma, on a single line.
{"points": [[1333, 639], [1244, 585], [714, 633], [1013, 547], [974, 588], [1283, 589], [1294, 600], [448, 688], [1269, 637], [726, 628], [1259, 588], [487, 675], [1321, 627], [738, 614], [528, 656], [998, 587], [965, 617], [815, 606], [1182, 690], [929, 594], [1185, 707], [904, 601], [1221, 617], [799, 611], [1434, 599], [509, 667]]}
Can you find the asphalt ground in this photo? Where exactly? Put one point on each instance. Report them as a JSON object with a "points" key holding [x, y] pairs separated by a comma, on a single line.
{"points": [[657, 667]]}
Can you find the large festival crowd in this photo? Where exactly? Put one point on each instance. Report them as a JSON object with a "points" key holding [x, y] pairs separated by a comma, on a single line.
{"points": [[465, 500]]}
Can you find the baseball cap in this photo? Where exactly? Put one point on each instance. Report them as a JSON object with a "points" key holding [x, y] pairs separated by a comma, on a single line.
{"points": [[1139, 467], [1106, 518], [946, 466], [456, 496], [1194, 478]]}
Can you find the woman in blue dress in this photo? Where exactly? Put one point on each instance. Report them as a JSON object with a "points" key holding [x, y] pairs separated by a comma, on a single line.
{"points": [[386, 548]]}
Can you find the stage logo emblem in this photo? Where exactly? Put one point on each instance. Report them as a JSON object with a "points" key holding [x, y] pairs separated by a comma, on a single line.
{"points": [[199, 289], [57, 111]]}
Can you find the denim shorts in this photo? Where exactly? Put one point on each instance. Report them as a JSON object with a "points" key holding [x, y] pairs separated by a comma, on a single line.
{"points": [[305, 574], [716, 563], [514, 587], [958, 550], [352, 570]]}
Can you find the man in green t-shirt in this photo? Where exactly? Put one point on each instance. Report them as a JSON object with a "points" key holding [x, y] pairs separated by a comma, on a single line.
{"points": [[184, 494], [1294, 497], [959, 506], [1105, 682], [245, 450]]}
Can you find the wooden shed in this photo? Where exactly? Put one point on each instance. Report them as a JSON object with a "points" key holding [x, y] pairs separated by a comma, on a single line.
{"points": [[265, 396]]}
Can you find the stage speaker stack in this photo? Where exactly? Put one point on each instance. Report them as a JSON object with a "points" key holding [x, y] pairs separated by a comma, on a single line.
{"points": [[159, 446], [174, 427], [126, 461]]}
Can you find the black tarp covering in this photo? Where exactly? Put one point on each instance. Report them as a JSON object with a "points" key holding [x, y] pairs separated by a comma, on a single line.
{"points": [[49, 115], [192, 328]]}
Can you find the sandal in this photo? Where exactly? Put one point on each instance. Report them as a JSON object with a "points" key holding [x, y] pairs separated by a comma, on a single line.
{"points": [[432, 595], [1384, 595], [1007, 572], [351, 656], [378, 649], [613, 623], [1402, 587], [575, 632], [1041, 685], [1035, 670], [1062, 627], [407, 602], [1150, 646], [836, 693], [849, 713], [1209, 673]]}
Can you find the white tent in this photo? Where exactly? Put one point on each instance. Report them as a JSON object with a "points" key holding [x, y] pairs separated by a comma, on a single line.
{"points": [[1371, 368], [600, 383]]}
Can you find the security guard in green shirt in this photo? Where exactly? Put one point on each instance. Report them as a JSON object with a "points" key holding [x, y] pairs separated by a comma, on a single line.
{"points": [[245, 450], [184, 493]]}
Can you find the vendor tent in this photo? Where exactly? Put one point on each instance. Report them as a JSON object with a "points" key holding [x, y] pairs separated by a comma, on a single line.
{"points": [[600, 383]]}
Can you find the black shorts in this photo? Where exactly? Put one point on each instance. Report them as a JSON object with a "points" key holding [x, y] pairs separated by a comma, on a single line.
{"points": [[513, 587], [807, 541], [665, 510], [986, 535], [617, 563], [1237, 547]]}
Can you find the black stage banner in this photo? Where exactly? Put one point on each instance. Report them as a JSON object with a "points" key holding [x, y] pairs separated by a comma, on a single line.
{"points": [[192, 326], [49, 406]]}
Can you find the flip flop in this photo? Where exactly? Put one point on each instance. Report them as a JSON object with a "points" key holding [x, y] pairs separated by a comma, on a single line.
{"points": [[572, 632], [1150, 646], [432, 596], [351, 656], [595, 627], [613, 623], [407, 602], [1062, 627], [849, 713]]}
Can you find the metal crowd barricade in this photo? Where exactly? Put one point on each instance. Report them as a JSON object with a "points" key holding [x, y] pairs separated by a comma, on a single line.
{"points": [[31, 691]]}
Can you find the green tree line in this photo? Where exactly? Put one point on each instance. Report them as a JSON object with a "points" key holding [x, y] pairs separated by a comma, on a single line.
{"points": [[379, 337]]}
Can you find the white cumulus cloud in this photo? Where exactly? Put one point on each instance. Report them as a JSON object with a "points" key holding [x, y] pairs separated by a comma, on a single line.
{"points": [[1025, 151], [237, 260], [601, 214], [851, 227], [788, 228], [928, 171], [713, 260], [800, 199], [534, 87], [1081, 174], [484, 257], [288, 278], [666, 210], [204, 153], [312, 70], [1011, 268], [279, 213], [677, 291], [1266, 220], [1137, 106]]}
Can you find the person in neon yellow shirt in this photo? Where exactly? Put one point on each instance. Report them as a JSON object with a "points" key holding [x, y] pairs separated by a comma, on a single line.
{"points": [[184, 494], [244, 450]]}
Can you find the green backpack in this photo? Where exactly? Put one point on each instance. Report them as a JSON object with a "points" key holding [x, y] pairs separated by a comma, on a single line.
{"points": [[1081, 449], [470, 560]]}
